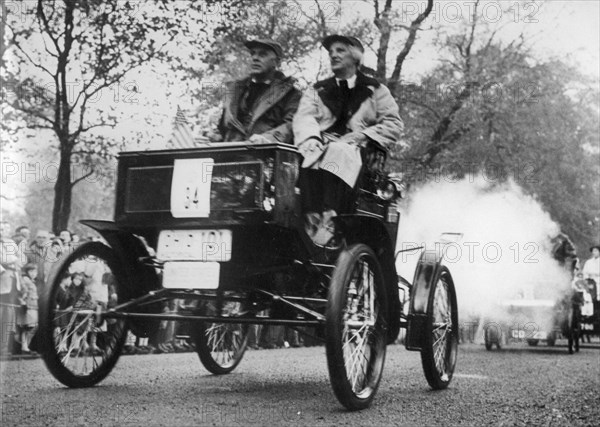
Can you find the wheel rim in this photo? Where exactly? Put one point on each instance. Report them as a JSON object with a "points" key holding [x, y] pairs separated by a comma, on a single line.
{"points": [[442, 330], [360, 335], [224, 341], [82, 339]]}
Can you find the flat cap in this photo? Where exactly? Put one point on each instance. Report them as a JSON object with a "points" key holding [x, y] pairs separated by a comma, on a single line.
{"points": [[269, 44], [348, 40]]}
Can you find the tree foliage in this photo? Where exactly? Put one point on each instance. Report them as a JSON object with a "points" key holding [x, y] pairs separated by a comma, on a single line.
{"points": [[61, 56]]}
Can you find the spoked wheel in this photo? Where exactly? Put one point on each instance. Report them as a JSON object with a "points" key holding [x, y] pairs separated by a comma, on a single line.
{"points": [[221, 346], [356, 327], [438, 355], [79, 345]]}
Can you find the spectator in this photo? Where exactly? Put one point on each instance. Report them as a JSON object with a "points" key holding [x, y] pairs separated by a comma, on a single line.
{"points": [[66, 238], [591, 268], [579, 284], [23, 239], [37, 254], [53, 254], [10, 265], [24, 231], [27, 318], [591, 272]]}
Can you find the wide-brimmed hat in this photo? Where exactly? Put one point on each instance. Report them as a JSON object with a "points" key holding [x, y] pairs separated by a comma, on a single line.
{"points": [[349, 40], [269, 44], [595, 247]]}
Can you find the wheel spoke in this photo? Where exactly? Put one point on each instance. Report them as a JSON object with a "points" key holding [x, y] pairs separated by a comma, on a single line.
{"points": [[225, 341], [442, 327], [82, 343], [357, 341]]}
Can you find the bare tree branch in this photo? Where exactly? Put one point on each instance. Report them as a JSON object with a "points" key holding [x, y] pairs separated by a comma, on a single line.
{"points": [[81, 178], [412, 35]]}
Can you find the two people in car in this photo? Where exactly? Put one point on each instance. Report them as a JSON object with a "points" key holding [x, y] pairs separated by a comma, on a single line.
{"points": [[333, 123]]}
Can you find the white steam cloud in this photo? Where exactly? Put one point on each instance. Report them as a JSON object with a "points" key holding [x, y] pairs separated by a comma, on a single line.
{"points": [[504, 254]]}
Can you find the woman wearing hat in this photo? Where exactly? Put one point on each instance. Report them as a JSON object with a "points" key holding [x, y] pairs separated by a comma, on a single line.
{"points": [[336, 119], [591, 270]]}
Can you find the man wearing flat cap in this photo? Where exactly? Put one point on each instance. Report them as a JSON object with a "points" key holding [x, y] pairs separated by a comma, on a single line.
{"points": [[260, 107], [338, 120]]}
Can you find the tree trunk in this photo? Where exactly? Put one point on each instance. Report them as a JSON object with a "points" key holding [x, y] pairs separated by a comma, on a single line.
{"points": [[62, 194]]}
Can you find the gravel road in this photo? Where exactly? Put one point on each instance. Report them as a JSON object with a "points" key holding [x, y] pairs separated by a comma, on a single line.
{"points": [[517, 385]]}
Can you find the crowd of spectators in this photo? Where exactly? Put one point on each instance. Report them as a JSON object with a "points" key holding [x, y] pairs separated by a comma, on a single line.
{"points": [[26, 264]]}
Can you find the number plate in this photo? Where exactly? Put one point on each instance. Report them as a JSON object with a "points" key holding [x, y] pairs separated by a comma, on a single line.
{"points": [[518, 333], [194, 245], [191, 275]]}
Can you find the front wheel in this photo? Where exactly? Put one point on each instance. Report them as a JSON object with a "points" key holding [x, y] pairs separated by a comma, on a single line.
{"points": [[356, 327], [221, 346], [438, 355], [80, 346]]}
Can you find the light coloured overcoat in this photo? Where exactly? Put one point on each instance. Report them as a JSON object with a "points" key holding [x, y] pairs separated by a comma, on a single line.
{"points": [[373, 113]]}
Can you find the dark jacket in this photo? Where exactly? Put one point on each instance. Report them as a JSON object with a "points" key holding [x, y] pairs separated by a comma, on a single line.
{"points": [[270, 116]]}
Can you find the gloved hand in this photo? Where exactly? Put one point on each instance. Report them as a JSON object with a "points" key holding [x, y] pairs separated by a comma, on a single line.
{"points": [[355, 138]]}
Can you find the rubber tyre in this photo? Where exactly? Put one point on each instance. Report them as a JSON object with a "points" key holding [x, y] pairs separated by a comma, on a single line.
{"points": [[490, 337], [349, 311], [441, 309], [64, 334], [532, 343], [220, 346]]}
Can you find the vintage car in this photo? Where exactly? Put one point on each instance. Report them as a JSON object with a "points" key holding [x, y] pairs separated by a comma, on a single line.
{"points": [[540, 320], [218, 229]]}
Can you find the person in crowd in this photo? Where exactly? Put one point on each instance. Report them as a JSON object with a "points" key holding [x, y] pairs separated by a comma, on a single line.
{"points": [[591, 268], [84, 296], [260, 107], [591, 272], [51, 260], [24, 231], [66, 238], [10, 285], [37, 254], [23, 238], [27, 319], [339, 121], [580, 285]]}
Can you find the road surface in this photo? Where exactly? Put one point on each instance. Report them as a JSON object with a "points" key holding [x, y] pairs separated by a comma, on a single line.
{"points": [[517, 385]]}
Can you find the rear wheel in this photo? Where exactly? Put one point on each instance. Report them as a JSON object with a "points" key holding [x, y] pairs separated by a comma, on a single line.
{"points": [[532, 343], [491, 336], [221, 346], [79, 345], [438, 355], [356, 327]]}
